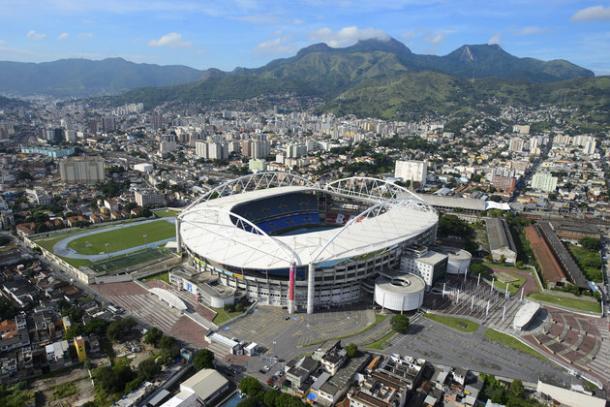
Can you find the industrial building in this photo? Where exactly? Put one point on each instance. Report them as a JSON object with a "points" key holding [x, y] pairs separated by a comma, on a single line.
{"points": [[501, 244]]}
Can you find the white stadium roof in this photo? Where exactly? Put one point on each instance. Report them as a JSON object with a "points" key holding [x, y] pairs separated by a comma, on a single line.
{"points": [[525, 314], [207, 227]]}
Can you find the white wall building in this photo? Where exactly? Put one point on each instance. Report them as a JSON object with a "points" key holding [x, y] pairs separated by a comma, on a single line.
{"points": [[544, 181], [410, 170], [82, 170]]}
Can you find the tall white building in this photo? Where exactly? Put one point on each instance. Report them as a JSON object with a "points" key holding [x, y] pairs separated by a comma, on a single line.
{"points": [[410, 170], [81, 170], [201, 149], [149, 199], [295, 150], [589, 147], [260, 148], [544, 181], [534, 146], [212, 150]]}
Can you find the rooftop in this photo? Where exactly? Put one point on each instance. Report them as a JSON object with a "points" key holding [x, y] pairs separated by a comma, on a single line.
{"points": [[499, 234], [207, 229]]}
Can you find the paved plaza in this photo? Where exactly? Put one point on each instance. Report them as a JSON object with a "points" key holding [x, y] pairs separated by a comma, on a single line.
{"points": [[300, 331], [148, 308], [443, 345]]}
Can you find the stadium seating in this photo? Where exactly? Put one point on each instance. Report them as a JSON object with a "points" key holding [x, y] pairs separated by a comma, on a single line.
{"points": [[277, 214], [277, 207]]}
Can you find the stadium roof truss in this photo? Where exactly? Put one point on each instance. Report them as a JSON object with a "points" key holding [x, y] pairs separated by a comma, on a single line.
{"points": [[251, 182], [237, 236]]}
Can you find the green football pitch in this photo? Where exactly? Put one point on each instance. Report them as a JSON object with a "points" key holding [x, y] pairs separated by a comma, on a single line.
{"points": [[124, 238]]}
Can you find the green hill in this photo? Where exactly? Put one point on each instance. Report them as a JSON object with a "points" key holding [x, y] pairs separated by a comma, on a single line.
{"points": [[383, 78], [82, 77]]}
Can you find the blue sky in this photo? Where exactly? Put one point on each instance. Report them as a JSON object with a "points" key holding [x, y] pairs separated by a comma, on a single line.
{"points": [[249, 33]]}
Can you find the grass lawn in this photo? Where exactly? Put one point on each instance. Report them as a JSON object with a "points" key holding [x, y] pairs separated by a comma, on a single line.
{"points": [[379, 318], [589, 261], [64, 390], [503, 339], [161, 276], [586, 304], [125, 238], [460, 324], [49, 242], [166, 213], [382, 342], [128, 260], [223, 316], [513, 286]]}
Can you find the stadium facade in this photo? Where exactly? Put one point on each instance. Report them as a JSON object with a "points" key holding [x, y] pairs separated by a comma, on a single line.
{"points": [[285, 241]]}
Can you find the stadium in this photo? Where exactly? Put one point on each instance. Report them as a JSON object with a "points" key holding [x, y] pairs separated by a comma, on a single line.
{"points": [[285, 241]]}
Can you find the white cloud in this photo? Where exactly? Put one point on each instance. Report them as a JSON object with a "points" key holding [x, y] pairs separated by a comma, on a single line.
{"points": [[35, 36], [63, 36], [494, 39], [409, 35], [436, 38], [85, 35], [274, 46], [347, 35], [531, 30], [172, 40], [595, 13]]}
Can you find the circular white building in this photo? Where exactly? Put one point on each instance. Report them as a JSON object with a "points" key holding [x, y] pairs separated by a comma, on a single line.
{"points": [[400, 293], [285, 241], [458, 261]]}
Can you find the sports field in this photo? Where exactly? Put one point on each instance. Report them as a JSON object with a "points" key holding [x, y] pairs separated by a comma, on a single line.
{"points": [[121, 263], [124, 238]]}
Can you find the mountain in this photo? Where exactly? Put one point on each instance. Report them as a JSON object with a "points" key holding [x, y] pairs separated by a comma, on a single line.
{"points": [[485, 61], [82, 77], [340, 74], [425, 93], [316, 70]]}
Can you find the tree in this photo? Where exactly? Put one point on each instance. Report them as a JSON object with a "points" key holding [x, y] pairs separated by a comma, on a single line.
{"points": [[74, 331], [286, 400], [270, 398], [203, 359], [96, 326], [250, 386], [130, 205], [351, 350], [590, 243], [120, 329], [7, 309], [400, 323], [153, 336], [148, 368], [166, 342], [516, 389]]}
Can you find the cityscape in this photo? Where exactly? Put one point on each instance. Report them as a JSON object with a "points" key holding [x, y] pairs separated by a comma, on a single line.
{"points": [[354, 219]]}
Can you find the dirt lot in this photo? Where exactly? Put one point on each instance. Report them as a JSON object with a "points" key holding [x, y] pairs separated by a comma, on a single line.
{"points": [[551, 270]]}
